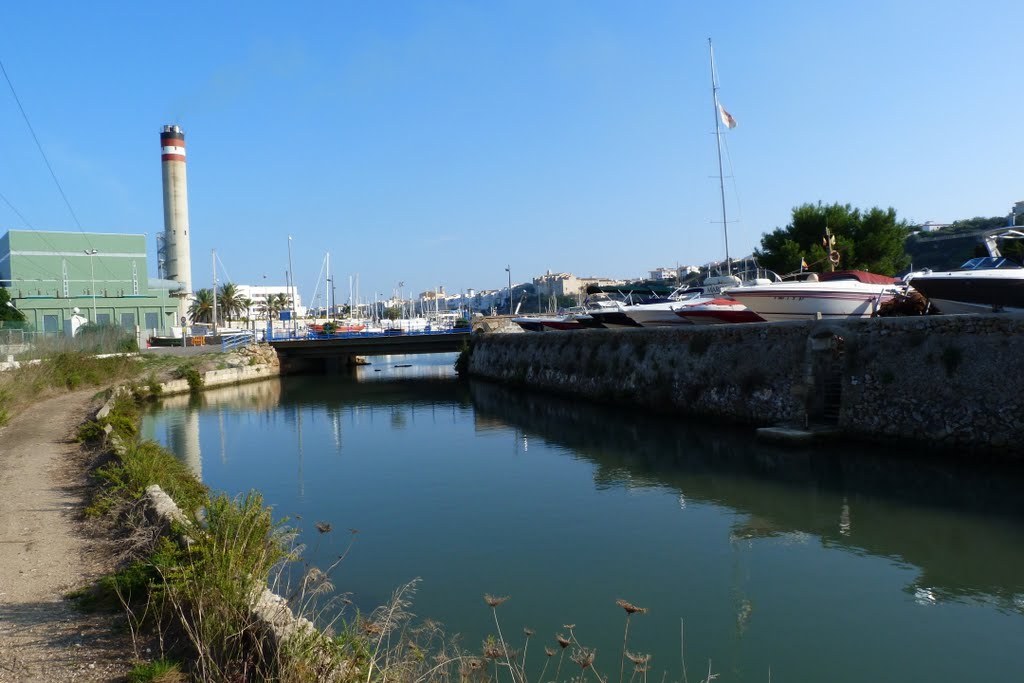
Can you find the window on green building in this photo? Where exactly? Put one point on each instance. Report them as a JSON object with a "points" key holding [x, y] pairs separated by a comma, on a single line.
{"points": [[50, 324], [152, 321], [128, 321]]}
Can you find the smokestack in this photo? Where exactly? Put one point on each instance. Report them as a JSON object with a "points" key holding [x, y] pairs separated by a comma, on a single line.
{"points": [[176, 240]]}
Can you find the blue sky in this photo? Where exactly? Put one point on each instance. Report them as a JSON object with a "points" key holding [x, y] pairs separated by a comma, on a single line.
{"points": [[435, 142]]}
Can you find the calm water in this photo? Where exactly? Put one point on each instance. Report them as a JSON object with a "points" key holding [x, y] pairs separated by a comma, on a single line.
{"points": [[826, 565]]}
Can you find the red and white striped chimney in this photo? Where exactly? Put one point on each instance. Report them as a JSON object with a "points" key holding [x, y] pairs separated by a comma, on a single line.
{"points": [[176, 239]]}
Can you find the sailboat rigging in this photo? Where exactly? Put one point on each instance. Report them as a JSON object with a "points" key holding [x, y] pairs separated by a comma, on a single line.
{"points": [[721, 117]]}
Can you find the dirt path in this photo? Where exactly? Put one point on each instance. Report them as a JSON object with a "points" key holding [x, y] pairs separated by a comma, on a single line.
{"points": [[45, 552]]}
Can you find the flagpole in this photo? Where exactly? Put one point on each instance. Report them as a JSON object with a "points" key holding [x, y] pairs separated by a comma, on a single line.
{"points": [[718, 139]]}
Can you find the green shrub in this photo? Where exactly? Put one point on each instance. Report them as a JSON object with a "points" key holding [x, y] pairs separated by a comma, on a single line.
{"points": [[160, 671], [91, 432], [191, 375], [142, 464], [462, 362], [5, 402], [230, 559]]}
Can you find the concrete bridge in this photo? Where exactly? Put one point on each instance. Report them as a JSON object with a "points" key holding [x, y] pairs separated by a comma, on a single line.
{"points": [[329, 354]]}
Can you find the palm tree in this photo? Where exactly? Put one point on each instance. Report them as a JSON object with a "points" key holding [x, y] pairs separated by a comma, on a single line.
{"points": [[201, 310], [277, 303], [230, 302]]}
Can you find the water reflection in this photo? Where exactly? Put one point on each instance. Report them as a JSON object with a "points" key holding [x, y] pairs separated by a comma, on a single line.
{"points": [[960, 526]]}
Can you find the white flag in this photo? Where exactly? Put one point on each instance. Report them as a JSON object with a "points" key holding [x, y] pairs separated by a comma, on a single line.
{"points": [[727, 118]]}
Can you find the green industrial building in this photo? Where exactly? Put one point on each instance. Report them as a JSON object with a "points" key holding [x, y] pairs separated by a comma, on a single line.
{"points": [[103, 275]]}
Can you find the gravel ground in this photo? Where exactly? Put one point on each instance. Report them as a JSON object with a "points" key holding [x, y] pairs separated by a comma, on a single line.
{"points": [[47, 550]]}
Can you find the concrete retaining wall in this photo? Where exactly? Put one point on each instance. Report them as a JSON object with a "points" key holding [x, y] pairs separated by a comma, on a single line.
{"points": [[220, 378], [941, 379]]}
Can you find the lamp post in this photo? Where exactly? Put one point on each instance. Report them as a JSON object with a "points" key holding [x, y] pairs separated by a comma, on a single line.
{"points": [[92, 277], [291, 290], [508, 269]]}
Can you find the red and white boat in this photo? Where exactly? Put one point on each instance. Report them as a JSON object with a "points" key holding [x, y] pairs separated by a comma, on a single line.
{"points": [[842, 294], [717, 312]]}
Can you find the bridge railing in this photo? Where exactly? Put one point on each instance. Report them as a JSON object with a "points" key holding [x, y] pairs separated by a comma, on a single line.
{"points": [[236, 340], [289, 335]]}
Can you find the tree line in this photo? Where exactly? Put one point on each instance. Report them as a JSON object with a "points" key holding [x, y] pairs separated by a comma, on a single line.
{"points": [[875, 240], [232, 305]]}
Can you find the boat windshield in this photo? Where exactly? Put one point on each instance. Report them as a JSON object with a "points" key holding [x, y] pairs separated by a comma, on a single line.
{"points": [[988, 263]]}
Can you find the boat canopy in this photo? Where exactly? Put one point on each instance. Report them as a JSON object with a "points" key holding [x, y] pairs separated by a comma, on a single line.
{"points": [[644, 288], [860, 276]]}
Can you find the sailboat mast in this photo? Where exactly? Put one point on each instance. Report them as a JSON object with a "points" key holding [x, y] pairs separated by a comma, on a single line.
{"points": [[718, 139]]}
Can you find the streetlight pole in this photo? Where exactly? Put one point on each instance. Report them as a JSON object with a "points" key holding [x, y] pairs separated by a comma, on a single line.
{"points": [[508, 269], [92, 277], [213, 253], [292, 272]]}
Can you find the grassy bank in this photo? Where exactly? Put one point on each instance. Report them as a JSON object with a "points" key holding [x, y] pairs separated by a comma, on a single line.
{"points": [[194, 598]]}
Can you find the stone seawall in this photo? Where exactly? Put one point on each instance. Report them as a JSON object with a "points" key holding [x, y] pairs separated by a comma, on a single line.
{"points": [[942, 379], [221, 378]]}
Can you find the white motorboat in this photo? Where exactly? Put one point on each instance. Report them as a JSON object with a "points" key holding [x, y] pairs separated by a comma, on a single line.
{"points": [[842, 294], [660, 313]]}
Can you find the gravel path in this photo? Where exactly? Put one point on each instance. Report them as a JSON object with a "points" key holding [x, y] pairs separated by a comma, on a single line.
{"points": [[46, 551]]}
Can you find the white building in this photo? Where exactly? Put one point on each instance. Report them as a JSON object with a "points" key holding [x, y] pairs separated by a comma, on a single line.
{"points": [[259, 294], [660, 274]]}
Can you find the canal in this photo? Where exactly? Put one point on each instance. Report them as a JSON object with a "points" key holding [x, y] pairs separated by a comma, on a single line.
{"points": [[842, 563]]}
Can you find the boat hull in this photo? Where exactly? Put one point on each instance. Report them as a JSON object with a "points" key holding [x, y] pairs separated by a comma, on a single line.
{"points": [[973, 292], [613, 319], [718, 312], [654, 315], [810, 302]]}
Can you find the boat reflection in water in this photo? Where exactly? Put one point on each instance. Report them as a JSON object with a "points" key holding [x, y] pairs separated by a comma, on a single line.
{"points": [[833, 564], [942, 518]]}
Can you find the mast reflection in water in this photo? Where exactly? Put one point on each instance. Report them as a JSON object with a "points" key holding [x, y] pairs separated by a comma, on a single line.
{"points": [[831, 564]]}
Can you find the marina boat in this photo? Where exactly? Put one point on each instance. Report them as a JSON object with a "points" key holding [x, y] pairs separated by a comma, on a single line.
{"points": [[842, 294], [702, 306], [982, 285], [717, 311], [590, 315], [540, 323], [660, 313]]}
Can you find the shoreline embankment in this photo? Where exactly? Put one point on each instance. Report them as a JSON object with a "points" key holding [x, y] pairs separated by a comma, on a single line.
{"points": [[943, 380]]}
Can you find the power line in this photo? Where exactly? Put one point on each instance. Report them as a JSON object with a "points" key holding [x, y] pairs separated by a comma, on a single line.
{"points": [[40, 147], [26, 221], [15, 210], [46, 160]]}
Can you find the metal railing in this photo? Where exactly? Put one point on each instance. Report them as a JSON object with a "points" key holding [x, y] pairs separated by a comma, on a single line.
{"points": [[236, 340], [288, 334]]}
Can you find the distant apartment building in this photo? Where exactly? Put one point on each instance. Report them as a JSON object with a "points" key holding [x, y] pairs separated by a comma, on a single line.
{"points": [[557, 284], [259, 295], [659, 274], [1018, 210]]}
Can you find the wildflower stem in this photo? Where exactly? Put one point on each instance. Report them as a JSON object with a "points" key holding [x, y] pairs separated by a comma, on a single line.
{"points": [[504, 647], [682, 655], [622, 657]]}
